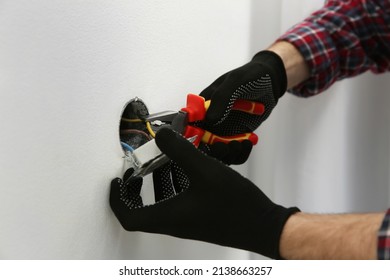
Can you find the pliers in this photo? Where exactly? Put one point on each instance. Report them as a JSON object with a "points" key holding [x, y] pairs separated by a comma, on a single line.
{"points": [[148, 157]]}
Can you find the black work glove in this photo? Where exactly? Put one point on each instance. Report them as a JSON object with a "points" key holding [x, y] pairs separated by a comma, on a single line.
{"points": [[220, 206], [233, 153], [263, 80]]}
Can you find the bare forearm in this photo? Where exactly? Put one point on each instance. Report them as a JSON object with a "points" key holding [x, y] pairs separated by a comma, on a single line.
{"points": [[339, 236], [296, 68]]}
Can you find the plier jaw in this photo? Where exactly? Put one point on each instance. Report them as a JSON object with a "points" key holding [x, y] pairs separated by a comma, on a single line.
{"points": [[182, 121], [174, 120]]}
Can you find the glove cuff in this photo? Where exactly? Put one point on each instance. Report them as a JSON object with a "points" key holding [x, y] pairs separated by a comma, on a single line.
{"points": [[275, 64], [277, 218]]}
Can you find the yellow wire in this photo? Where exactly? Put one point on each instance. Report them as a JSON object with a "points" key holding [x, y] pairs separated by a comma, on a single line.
{"points": [[149, 127], [132, 120]]}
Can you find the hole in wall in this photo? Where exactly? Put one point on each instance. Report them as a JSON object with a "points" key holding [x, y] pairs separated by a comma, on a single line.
{"points": [[133, 130], [133, 133]]}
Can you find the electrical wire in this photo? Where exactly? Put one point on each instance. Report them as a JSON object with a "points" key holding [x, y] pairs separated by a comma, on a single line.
{"points": [[131, 120], [152, 134], [136, 131], [127, 147], [149, 127]]}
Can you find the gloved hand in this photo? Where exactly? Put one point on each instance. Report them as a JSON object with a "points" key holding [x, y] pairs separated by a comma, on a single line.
{"points": [[233, 153], [219, 206], [263, 80]]}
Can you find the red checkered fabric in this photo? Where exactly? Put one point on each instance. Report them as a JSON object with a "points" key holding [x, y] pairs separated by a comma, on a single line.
{"points": [[384, 238], [343, 39]]}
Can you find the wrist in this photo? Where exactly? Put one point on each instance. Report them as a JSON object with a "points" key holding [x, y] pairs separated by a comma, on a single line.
{"points": [[330, 236], [275, 66], [295, 65]]}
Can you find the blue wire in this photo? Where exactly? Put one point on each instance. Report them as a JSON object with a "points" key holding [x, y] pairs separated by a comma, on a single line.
{"points": [[127, 147]]}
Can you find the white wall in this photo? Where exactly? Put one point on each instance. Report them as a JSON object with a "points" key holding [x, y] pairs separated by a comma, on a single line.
{"points": [[66, 70]]}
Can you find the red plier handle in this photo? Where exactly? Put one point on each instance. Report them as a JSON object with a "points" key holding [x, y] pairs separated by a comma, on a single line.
{"points": [[196, 111]]}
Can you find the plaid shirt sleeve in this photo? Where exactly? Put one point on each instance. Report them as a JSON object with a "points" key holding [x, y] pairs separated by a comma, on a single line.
{"points": [[384, 238], [343, 39]]}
